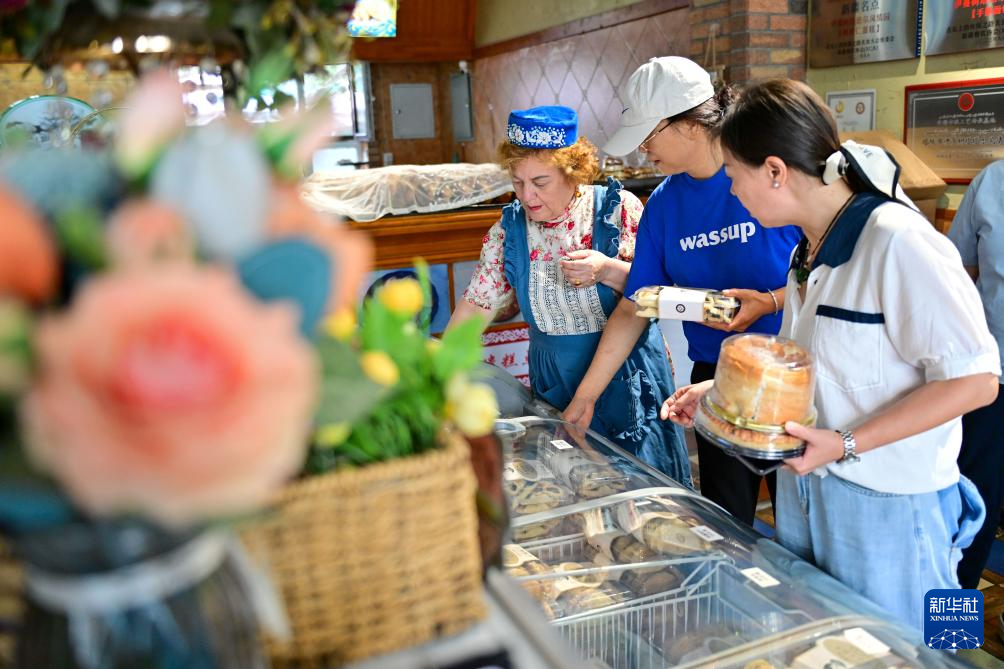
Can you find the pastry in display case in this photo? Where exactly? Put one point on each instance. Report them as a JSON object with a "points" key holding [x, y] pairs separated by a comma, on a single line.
{"points": [[636, 571]]}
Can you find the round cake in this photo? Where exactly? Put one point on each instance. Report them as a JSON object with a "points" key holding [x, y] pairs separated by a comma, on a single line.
{"points": [[761, 382]]}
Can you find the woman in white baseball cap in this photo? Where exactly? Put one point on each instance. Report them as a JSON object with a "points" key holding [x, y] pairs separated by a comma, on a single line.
{"points": [[695, 233]]}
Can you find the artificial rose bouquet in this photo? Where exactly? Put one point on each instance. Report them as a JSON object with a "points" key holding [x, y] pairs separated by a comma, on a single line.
{"points": [[170, 370], [158, 373]]}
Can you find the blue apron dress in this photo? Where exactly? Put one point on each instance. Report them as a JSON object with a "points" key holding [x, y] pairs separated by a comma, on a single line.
{"points": [[627, 412]]}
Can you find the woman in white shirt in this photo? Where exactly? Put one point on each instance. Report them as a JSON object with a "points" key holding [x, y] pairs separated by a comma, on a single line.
{"points": [[901, 348]]}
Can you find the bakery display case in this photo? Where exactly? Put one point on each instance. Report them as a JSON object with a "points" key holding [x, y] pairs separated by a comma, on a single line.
{"points": [[635, 570]]}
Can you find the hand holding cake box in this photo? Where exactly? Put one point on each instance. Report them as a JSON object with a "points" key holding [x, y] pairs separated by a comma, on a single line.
{"points": [[688, 304]]}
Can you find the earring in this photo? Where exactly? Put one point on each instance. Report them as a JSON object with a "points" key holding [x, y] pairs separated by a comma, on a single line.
{"points": [[775, 184]]}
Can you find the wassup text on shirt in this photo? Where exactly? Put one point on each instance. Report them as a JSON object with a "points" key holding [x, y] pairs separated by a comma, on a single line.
{"points": [[740, 231]]}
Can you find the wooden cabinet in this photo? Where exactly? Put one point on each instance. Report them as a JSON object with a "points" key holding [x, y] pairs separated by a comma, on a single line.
{"points": [[427, 30], [448, 236]]}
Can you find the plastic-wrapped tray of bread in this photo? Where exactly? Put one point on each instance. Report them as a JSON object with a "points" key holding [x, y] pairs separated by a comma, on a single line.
{"points": [[761, 382], [531, 488], [367, 195], [635, 549], [582, 464], [564, 588], [686, 304]]}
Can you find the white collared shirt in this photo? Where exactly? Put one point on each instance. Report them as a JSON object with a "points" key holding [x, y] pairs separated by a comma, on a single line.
{"points": [[889, 307]]}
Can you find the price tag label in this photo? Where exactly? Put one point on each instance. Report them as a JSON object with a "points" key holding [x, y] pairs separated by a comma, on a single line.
{"points": [[760, 577], [514, 555], [866, 642], [706, 533], [561, 444]]}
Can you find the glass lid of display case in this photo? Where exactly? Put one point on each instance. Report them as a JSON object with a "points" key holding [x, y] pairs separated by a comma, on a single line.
{"points": [[638, 571]]}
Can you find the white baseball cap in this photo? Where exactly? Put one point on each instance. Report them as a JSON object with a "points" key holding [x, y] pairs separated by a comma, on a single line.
{"points": [[661, 88]]}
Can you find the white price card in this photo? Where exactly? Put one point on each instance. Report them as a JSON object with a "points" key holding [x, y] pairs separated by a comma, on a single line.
{"points": [[706, 533], [561, 444], [866, 642], [760, 577], [513, 555]]}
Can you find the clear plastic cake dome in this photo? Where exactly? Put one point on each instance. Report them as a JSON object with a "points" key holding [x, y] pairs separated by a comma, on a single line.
{"points": [[761, 382]]}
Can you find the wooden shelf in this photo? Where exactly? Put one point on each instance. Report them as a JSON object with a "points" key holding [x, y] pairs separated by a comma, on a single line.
{"points": [[445, 237]]}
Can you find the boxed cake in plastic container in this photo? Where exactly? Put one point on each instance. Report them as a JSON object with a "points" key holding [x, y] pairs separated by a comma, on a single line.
{"points": [[761, 383], [685, 304]]}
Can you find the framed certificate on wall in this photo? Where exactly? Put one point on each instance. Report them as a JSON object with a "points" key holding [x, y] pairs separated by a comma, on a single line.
{"points": [[957, 128], [854, 110], [953, 27], [844, 32]]}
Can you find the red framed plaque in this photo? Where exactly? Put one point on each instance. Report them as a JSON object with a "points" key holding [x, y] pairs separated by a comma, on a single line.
{"points": [[957, 127]]}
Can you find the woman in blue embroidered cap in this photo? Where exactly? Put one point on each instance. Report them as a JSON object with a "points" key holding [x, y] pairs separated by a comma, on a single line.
{"points": [[563, 251]]}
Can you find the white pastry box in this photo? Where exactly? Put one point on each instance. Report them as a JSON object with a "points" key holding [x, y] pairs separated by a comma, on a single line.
{"points": [[685, 304]]}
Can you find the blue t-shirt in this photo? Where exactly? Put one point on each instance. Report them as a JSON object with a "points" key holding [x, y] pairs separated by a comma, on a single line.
{"points": [[696, 234]]}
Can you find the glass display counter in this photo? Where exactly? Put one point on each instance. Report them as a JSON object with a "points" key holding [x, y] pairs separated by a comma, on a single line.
{"points": [[637, 571]]}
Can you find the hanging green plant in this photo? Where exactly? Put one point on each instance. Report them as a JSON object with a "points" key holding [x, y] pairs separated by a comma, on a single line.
{"points": [[257, 43]]}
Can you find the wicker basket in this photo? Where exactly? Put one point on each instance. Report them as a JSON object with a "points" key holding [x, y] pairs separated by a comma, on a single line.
{"points": [[10, 603], [376, 559]]}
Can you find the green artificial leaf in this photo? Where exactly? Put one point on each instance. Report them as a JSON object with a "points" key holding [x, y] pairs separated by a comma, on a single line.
{"points": [[275, 139], [382, 329], [272, 69], [81, 235], [346, 392], [221, 13], [424, 316], [460, 350]]}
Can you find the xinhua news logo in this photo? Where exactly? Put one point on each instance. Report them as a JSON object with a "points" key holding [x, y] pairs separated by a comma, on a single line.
{"points": [[953, 619]]}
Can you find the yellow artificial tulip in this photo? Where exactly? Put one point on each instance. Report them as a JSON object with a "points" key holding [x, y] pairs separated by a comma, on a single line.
{"points": [[378, 366], [402, 296], [472, 407], [341, 325], [332, 434]]}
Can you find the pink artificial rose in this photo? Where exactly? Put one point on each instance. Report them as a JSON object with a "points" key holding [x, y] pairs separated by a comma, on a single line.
{"points": [[171, 393], [29, 268], [144, 231], [153, 115]]}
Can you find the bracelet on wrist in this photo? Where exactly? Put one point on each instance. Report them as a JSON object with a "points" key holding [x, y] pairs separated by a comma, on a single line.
{"points": [[773, 297]]}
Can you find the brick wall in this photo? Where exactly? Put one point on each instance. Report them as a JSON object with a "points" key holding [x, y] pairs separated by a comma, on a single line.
{"points": [[753, 39]]}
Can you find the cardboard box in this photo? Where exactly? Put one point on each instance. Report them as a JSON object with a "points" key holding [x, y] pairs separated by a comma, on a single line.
{"points": [[917, 179]]}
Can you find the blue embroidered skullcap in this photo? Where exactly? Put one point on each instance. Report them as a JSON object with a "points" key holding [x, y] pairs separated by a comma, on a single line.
{"points": [[543, 127]]}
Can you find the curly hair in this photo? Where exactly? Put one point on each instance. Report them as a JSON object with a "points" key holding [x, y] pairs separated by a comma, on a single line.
{"points": [[578, 161]]}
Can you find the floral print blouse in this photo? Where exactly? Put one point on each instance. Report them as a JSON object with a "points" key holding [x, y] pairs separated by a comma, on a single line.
{"points": [[549, 241]]}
